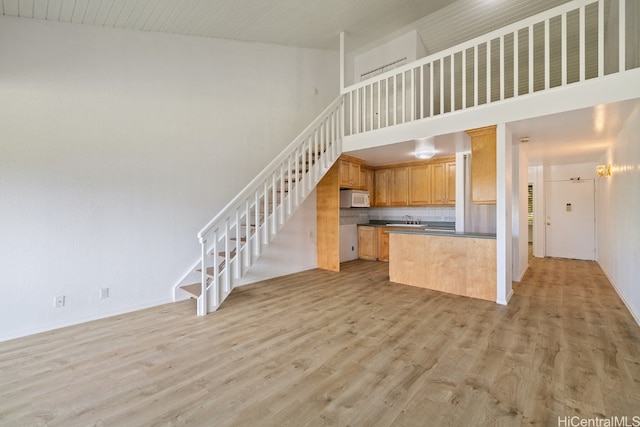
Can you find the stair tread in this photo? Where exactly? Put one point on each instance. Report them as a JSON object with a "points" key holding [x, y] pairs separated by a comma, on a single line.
{"points": [[194, 290], [231, 254]]}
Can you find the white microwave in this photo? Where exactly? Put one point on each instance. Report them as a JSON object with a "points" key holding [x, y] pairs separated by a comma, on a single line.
{"points": [[354, 199]]}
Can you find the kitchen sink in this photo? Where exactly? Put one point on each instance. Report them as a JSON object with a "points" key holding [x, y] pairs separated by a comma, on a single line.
{"points": [[405, 225]]}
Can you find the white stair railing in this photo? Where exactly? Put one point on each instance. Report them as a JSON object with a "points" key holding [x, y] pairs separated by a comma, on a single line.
{"points": [[561, 46], [233, 240]]}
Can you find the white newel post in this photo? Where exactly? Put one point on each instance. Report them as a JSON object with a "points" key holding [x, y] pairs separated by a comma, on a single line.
{"points": [[202, 301]]}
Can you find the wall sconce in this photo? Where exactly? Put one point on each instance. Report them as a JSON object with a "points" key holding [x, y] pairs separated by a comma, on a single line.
{"points": [[603, 170]]}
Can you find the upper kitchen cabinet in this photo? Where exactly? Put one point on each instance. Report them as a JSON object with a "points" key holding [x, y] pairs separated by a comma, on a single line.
{"points": [[443, 183], [420, 185], [483, 165], [366, 179], [349, 175], [399, 187], [424, 183], [381, 187]]}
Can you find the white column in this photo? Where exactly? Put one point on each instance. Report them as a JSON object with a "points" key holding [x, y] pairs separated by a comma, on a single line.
{"points": [[504, 242]]}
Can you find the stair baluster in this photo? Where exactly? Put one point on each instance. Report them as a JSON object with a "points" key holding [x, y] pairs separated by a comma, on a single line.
{"points": [[238, 235]]}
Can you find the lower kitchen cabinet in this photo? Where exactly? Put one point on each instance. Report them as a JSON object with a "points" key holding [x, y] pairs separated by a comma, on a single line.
{"points": [[373, 242], [367, 243], [383, 244]]}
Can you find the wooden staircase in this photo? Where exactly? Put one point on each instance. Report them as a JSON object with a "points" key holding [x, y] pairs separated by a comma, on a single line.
{"points": [[233, 240]]}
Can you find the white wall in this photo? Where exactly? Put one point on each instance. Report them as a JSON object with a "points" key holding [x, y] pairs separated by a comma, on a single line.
{"points": [[617, 207], [536, 176], [520, 206], [116, 146], [292, 250], [566, 172], [408, 46]]}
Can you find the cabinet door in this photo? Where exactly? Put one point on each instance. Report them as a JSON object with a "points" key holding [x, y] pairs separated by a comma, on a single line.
{"points": [[354, 175], [420, 185], [367, 243], [451, 183], [383, 244], [483, 165], [344, 173], [399, 187], [381, 187], [366, 180], [438, 184], [349, 174]]}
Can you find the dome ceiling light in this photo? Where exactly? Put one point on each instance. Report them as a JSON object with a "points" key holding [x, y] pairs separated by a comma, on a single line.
{"points": [[425, 148]]}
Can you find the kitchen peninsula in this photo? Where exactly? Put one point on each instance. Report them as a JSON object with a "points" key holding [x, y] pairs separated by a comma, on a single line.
{"points": [[457, 263]]}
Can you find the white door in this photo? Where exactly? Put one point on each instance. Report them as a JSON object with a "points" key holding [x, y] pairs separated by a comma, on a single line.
{"points": [[570, 222]]}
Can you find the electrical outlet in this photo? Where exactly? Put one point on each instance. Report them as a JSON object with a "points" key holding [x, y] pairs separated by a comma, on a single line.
{"points": [[59, 301], [104, 293]]}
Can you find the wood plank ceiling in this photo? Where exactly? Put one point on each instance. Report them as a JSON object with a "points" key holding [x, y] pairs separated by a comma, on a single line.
{"points": [[302, 23]]}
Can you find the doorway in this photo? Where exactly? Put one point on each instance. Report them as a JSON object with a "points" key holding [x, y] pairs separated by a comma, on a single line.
{"points": [[570, 219]]}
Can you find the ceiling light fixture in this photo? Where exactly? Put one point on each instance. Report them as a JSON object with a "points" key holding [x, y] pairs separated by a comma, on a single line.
{"points": [[424, 149]]}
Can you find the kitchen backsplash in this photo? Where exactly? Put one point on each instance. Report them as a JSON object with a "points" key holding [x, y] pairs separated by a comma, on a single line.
{"points": [[363, 216], [354, 216]]}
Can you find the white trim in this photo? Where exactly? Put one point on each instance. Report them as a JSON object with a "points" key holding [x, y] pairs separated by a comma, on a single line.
{"points": [[524, 272], [636, 316], [505, 301], [31, 331]]}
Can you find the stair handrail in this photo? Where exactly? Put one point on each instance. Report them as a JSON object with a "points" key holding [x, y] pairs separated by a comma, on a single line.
{"points": [[271, 167]]}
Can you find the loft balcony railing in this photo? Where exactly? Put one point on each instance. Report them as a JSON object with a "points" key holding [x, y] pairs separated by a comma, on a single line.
{"points": [[569, 44]]}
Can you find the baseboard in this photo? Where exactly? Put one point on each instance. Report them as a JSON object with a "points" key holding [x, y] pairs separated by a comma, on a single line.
{"points": [[253, 280], [519, 279], [506, 300], [636, 316], [32, 331]]}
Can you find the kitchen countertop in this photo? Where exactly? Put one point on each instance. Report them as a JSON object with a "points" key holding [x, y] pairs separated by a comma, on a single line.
{"points": [[426, 232], [432, 228]]}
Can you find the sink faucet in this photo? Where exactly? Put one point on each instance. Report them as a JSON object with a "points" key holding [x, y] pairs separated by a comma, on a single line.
{"points": [[408, 219]]}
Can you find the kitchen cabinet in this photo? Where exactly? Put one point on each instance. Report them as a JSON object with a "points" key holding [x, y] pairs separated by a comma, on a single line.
{"points": [[399, 187], [383, 244], [483, 165], [373, 242], [349, 174], [443, 183], [430, 183], [367, 243], [328, 221], [420, 185], [366, 180], [381, 187]]}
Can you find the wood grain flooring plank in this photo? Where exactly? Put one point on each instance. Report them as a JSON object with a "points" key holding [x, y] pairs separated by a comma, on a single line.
{"points": [[349, 348]]}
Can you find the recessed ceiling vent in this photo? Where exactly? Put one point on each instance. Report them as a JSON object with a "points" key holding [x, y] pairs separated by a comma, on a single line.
{"points": [[380, 70]]}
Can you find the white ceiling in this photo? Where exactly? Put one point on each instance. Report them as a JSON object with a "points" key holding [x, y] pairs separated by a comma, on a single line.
{"points": [[579, 136], [444, 145], [302, 23]]}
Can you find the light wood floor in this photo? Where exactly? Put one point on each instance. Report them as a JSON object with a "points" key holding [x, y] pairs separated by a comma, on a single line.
{"points": [[349, 348]]}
